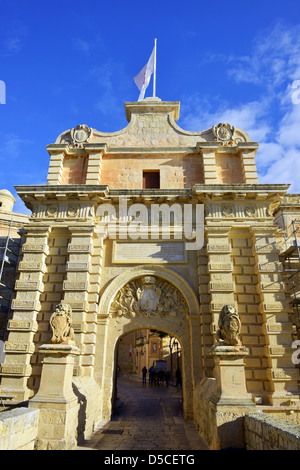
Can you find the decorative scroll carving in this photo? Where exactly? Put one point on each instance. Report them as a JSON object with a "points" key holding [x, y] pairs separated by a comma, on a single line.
{"points": [[224, 134], [149, 296], [60, 322], [229, 326], [78, 136], [229, 136]]}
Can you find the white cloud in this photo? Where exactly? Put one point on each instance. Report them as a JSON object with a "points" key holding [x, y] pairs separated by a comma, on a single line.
{"points": [[13, 39], [109, 78], [82, 45], [11, 146], [88, 46], [275, 56], [270, 119], [252, 117]]}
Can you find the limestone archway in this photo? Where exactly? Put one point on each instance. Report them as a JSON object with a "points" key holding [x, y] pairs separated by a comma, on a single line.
{"points": [[143, 357], [150, 304]]}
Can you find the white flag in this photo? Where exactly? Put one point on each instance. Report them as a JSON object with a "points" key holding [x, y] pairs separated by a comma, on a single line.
{"points": [[142, 79]]}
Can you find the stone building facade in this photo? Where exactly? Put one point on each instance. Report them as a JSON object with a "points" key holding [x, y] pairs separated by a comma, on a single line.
{"points": [[11, 238], [91, 242]]}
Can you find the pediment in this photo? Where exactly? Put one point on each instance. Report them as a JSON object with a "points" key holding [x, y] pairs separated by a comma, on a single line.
{"points": [[152, 123]]}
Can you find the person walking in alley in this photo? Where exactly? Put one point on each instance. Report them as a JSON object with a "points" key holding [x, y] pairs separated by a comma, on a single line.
{"points": [[178, 378], [144, 370]]}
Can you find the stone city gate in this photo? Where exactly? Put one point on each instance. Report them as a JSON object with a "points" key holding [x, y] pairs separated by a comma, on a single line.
{"points": [[116, 285], [148, 298]]}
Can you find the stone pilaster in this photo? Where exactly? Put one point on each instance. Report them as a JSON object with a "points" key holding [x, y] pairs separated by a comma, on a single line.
{"points": [[197, 354], [205, 315], [94, 166], [249, 166], [281, 374], [209, 163], [102, 373], [55, 168], [81, 291], [23, 325], [220, 270]]}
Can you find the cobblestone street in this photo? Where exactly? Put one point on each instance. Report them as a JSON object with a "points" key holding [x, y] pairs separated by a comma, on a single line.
{"points": [[146, 418]]}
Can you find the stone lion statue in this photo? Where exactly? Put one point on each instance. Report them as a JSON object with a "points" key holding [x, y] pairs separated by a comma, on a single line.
{"points": [[60, 322], [229, 326]]}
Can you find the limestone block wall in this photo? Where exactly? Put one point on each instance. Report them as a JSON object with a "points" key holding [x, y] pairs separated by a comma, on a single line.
{"points": [[204, 414], [18, 429], [74, 170], [206, 339], [51, 296], [11, 224], [260, 431], [178, 168], [176, 171], [247, 301], [240, 266], [229, 168], [125, 360], [263, 432]]}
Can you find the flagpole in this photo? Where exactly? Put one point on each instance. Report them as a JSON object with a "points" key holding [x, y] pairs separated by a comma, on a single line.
{"points": [[154, 71]]}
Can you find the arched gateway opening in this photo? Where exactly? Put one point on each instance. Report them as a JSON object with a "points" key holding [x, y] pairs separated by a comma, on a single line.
{"points": [[147, 358], [148, 298]]}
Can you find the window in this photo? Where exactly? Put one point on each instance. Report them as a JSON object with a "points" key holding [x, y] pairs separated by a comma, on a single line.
{"points": [[151, 179]]}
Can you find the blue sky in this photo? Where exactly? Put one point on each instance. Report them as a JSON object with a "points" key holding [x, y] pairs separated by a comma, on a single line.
{"points": [[72, 62]]}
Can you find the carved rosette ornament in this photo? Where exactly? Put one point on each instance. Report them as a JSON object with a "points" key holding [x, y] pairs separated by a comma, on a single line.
{"points": [[227, 211], [224, 134], [250, 211], [229, 326], [52, 211], [149, 296], [60, 322], [73, 211]]}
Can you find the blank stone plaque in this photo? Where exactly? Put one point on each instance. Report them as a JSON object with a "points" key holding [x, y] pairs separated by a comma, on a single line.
{"points": [[149, 252]]}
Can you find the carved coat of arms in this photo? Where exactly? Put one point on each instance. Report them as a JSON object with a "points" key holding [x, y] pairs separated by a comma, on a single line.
{"points": [[148, 296]]}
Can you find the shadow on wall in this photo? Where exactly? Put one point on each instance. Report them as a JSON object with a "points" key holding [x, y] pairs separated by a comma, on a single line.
{"points": [[82, 402]]}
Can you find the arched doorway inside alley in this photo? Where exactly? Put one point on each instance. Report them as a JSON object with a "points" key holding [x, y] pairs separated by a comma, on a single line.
{"points": [[147, 298], [148, 358]]}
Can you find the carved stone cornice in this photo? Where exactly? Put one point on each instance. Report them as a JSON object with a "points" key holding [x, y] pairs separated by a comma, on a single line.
{"points": [[83, 149], [204, 147], [239, 203], [209, 191], [241, 191]]}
